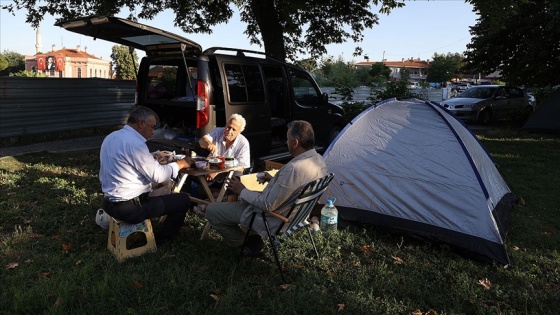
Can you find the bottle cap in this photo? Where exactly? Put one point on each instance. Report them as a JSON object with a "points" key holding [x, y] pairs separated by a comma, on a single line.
{"points": [[329, 202]]}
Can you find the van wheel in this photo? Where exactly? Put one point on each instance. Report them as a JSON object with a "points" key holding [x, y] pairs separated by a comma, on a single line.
{"points": [[485, 117], [333, 134]]}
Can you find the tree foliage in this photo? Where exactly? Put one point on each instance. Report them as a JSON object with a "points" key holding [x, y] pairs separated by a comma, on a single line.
{"points": [[3, 62], [16, 62], [123, 65], [444, 67], [519, 38], [28, 74], [284, 27]]}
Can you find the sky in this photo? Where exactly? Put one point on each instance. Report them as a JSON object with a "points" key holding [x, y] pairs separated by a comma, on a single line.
{"points": [[418, 30]]}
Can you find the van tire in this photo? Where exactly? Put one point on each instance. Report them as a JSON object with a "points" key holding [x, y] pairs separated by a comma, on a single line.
{"points": [[333, 134]]}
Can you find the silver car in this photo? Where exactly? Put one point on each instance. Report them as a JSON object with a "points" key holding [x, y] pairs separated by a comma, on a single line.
{"points": [[485, 103]]}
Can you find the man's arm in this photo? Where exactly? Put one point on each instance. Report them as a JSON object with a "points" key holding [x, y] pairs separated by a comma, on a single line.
{"points": [[206, 143]]}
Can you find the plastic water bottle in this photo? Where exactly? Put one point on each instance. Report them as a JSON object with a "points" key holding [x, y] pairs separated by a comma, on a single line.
{"points": [[329, 216]]}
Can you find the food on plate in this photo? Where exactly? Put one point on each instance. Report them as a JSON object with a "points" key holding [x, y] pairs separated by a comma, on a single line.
{"points": [[163, 157]]}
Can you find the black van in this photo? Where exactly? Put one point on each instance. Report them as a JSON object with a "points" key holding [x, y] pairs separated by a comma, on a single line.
{"points": [[193, 91]]}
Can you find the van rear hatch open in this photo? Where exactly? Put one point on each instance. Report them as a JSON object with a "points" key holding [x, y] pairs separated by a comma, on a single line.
{"points": [[129, 33]]}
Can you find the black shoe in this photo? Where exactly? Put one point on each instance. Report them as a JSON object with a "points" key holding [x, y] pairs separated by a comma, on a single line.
{"points": [[254, 247]]}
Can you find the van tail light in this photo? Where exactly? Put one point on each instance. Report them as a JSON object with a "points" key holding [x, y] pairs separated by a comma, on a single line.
{"points": [[202, 107]]}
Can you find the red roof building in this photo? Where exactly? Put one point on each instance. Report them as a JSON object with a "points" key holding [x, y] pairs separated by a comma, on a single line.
{"points": [[69, 63]]}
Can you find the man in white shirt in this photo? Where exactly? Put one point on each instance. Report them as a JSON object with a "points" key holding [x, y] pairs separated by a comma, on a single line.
{"points": [[128, 170], [307, 165], [228, 141]]}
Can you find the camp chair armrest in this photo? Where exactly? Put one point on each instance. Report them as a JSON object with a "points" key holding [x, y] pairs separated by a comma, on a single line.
{"points": [[278, 216]]}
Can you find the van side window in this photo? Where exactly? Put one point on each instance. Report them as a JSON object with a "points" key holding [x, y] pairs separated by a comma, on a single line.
{"points": [[305, 92], [244, 83]]}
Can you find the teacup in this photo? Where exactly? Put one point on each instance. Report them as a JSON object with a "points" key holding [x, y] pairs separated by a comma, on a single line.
{"points": [[201, 164]]}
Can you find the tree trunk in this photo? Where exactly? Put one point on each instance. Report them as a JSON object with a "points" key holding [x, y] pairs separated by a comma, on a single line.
{"points": [[266, 15]]}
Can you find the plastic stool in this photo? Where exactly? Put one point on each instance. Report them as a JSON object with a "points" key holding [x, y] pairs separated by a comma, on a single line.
{"points": [[120, 232]]}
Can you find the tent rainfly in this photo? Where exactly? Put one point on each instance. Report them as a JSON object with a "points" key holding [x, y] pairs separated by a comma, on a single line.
{"points": [[413, 166]]}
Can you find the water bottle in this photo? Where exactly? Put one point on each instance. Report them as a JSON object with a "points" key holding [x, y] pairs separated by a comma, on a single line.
{"points": [[329, 216]]}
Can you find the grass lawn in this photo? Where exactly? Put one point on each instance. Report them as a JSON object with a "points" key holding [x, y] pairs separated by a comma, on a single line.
{"points": [[54, 257]]}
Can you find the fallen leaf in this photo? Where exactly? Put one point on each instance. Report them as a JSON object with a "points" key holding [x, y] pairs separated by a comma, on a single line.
{"points": [[283, 287], [416, 312], [340, 307], [216, 298], [515, 248], [367, 249], [485, 283], [397, 260], [431, 312], [13, 265], [66, 246], [36, 235], [137, 284], [549, 231], [299, 265], [58, 302], [79, 262], [55, 236], [45, 274], [28, 261]]}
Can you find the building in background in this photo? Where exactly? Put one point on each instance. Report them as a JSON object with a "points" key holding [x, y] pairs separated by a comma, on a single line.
{"points": [[67, 62], [417, 69]]}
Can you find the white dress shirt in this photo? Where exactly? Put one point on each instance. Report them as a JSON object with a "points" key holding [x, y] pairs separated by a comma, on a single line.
{"points": [[127, 166], [239, 149]]}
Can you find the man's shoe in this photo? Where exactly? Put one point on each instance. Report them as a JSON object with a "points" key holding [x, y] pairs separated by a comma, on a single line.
{"points": [[254, 247]]}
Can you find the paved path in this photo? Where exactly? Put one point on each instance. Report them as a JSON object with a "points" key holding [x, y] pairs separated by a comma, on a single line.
{"points": [[78, 144]]}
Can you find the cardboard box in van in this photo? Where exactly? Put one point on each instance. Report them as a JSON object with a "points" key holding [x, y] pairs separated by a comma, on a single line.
{"points": [[194, 90]]}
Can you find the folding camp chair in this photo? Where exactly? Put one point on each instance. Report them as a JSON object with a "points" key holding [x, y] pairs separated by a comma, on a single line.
{"points": [[296, 217]]}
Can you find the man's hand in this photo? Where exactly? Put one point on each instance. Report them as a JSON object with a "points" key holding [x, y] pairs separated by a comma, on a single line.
{"points": [[263, 177], [235, 185], [185, 163], [213, 149]]}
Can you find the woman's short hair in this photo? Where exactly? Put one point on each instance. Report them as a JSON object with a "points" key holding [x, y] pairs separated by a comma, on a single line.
{"points": [[141, 113], [240, 119], [303, 131]]}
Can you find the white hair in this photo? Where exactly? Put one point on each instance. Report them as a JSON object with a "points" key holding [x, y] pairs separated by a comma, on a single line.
{"points": [[240, 119]]}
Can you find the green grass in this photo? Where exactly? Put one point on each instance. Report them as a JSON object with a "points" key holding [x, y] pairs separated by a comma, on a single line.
{"points": [[54, 257]]}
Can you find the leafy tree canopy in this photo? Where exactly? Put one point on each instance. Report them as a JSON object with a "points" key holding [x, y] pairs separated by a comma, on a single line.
{"points": [[284, 27], [16, 62], [444, 67], [519, 38], [3, 63], [123, 64]]}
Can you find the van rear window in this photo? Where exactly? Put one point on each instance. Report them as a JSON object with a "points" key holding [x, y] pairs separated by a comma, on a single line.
{"points": [[244, 83], [162, 80]]}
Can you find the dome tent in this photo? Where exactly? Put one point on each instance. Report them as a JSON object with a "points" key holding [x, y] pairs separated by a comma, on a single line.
{"points": [[413, 166]]}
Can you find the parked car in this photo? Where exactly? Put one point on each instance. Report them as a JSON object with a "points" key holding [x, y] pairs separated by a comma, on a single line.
{"points": [[195, 90], [462, 86], [486, 103], [414, 85]]}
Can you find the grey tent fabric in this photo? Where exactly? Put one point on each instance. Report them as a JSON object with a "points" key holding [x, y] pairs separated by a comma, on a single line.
{"points": [[546, 117], [413, 166]]}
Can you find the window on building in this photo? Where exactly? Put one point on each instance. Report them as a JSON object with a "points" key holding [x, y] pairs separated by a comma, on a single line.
{"points": [[79, 72]]}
